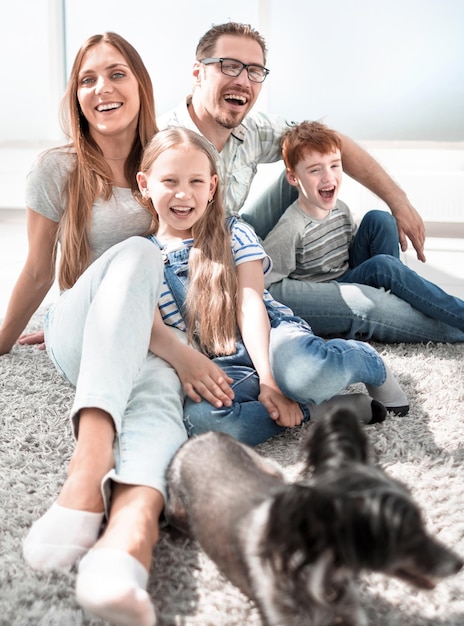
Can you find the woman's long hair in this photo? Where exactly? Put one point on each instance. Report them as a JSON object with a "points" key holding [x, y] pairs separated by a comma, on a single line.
{"points": [[211, 301], [91, 176]]}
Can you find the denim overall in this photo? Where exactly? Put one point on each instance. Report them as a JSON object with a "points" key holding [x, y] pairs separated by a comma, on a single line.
{"points": [[176, 277], [247, 419]]}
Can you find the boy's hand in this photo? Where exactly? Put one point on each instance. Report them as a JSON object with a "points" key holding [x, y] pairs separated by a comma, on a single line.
{"points": [[284, 411]]}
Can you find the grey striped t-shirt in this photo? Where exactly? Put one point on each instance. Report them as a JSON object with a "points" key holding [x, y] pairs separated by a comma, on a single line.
{"points": [[304, 248]]}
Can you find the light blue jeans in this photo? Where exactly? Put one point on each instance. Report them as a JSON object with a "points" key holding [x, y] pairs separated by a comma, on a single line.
{"points": [[306, 368], [349, 310], [97, 334]]}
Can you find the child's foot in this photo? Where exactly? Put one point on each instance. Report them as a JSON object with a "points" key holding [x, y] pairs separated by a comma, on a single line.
{"points": [[61, 537], [112, 585], [390, 394], [369, 411]]}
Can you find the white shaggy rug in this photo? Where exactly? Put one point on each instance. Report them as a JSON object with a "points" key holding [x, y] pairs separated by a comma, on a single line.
{"points": [[425, 450]]}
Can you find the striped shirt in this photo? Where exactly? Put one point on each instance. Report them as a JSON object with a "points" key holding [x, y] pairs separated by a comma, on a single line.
{"points": [[245, 247], [305, 248], [256, 140]]}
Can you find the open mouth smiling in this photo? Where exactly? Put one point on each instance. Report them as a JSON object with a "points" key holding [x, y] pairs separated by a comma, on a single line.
{"points": [[181, 211], [327, 194], [236, 98], [108, 106]]}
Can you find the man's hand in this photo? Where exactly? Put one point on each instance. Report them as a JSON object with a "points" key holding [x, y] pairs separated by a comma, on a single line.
{"points": [[410, 226], [361, 166]]}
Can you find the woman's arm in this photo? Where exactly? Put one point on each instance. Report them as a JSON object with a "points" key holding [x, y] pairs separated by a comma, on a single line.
{"points": [[200, 377], [253, 322], [361, 166], [34, 281]]}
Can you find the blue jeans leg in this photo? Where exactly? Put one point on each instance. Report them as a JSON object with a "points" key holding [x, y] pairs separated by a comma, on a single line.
{"points": [[309, 369], [246, 420], [355, 311], [377, 234], [390, 273]]}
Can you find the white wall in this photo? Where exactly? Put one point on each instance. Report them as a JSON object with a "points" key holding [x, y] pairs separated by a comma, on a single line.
{"points": [[31, 49], [373, 69]]}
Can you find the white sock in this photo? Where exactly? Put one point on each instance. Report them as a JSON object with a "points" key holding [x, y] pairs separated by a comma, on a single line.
{"points": [[390, 394], [112, 584], [60, 538], [369, 411]]}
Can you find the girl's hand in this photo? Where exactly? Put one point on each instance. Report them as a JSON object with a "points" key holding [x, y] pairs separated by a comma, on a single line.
{"points": [[31, 339], [202, 378], [284, 411]]}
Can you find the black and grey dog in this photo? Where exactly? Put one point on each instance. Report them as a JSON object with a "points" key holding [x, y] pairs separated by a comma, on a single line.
{"points": [[296, 548], [381, 528]]}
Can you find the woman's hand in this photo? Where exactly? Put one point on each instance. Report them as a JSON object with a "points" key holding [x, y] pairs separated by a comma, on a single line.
{"points": [[33, 283], [31, 339]]}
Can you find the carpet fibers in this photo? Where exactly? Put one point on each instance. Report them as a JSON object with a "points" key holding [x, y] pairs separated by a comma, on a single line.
{"points": [[425, 450]]}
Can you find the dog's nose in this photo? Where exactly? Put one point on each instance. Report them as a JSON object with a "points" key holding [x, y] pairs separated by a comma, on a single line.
{"points": [[459, 565]]}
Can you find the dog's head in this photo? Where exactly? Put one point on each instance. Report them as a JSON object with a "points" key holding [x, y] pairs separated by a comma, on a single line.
{"points": [[319, 538], [300, 565], [376, 525], [383, 530]]}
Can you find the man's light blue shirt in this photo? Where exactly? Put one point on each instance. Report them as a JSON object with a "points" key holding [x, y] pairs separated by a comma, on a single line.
{"points": [[256, 140]]}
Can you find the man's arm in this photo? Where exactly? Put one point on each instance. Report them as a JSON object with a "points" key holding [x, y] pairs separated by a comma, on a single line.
{"points": [[361, 166]]}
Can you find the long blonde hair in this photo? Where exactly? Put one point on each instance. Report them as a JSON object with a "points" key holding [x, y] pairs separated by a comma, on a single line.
{"points": [[211, 302], [91, 177]]}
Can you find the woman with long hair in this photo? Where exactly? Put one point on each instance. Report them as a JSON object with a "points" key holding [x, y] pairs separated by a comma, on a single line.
{"points": [[127, 409]]}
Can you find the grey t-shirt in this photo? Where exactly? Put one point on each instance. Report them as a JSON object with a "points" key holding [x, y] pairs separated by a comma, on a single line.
{"points": [[113, 220], [304, 248]]}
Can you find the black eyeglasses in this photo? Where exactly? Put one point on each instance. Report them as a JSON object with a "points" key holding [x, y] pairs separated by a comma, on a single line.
{"points": [[232, 67]]}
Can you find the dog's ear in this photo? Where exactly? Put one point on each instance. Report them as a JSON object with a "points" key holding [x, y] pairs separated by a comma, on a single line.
{"points": [[336, 438], [296, 531]]}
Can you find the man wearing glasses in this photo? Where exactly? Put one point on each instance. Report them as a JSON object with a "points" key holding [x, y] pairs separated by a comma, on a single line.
{"points": [[229, 70]]}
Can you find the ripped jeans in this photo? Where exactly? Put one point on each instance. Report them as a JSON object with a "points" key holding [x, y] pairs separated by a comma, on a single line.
{"points": [[306, 368]]}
